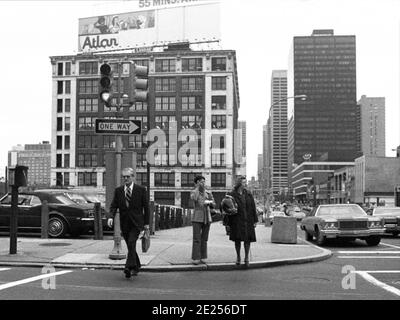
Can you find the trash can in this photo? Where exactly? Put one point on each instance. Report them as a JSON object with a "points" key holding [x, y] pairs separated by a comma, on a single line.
{"points": [[284, 230]]}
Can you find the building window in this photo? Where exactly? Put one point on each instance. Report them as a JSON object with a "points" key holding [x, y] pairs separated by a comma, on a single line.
{"points": [[218, 64], [66, 178], [141, 178], [59, 179], [59, 105], [192, 103], [67, 105], [165, 84], [218, 141], [109, 142], [60, 68], [142, 62], [187, 179], [218, 102], [67, 123], [68, 68], [59, 87], [192, 84], [87, 160], [87, 179], [86, 123], [218, 159], [192, 64], [218, 179], [68, 86], [218, 83], [59, 124], [165, 198], [87, 142], [88, 86], [88, 67], [165, 65], [58, 160], [66, 161], [165, 103], [89, 105], [137, 141], [164, 179], [138, 106], [163, 122], [218, 122], [141, 160], [192, 122], [66, 142]]}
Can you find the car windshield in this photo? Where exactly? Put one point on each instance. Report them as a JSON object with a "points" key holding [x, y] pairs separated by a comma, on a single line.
{"points": [[91, 198], [352, 210], [64, 200], [77, 198], [387, 211]]}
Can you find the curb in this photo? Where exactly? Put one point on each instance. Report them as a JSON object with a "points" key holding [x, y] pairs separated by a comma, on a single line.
{"points": [[174, 268]]}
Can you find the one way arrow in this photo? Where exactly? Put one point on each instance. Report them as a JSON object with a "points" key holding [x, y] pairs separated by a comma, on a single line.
{"points": [[132, 127]]}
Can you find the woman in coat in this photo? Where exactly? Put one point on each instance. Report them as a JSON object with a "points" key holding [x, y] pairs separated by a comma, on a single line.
{"points": [[242, 224]]}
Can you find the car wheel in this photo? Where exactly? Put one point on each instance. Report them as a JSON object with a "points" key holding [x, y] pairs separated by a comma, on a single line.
{"points": [[373, 240], [319, 237], [309, 236], [57, 227]]}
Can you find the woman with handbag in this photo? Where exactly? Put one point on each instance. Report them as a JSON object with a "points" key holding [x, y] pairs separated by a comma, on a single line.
{"points": [[203, 201], [242, 223]]}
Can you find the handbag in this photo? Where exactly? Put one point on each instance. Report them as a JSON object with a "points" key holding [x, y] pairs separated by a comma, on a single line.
{"points": [[145, 240], [229, 205]]}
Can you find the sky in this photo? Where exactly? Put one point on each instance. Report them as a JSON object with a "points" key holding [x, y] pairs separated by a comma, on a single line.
{"points": [[261, 32]]}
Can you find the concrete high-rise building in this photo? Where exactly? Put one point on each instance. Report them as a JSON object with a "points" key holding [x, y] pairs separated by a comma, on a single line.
{"points": [[197, 90], [372, 114], [37, 158], [259, 167], [279, 132], [241, 150], [323, 67]]}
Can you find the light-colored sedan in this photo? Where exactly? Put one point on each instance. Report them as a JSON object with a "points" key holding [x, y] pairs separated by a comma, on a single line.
{"points": [[348, 221], [390, 217]]}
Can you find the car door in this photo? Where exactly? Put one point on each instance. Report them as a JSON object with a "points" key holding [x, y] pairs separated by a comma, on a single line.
{"points": [[5, 213]]}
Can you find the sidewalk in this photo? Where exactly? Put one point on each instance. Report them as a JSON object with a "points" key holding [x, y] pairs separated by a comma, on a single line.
{"points": [[170, 250]]}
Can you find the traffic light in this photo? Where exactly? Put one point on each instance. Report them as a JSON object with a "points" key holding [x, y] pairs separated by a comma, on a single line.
{"points": [[106, 80], [138, 83]]}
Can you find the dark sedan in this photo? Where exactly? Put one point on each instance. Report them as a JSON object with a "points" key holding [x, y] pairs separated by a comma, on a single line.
{"points": [[390, 217], [65, 216], [346, 221]]}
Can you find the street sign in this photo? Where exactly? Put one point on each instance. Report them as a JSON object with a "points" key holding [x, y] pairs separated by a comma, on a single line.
{"points": [[121, 127]]}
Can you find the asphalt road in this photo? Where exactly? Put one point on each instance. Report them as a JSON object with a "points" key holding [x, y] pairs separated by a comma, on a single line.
{"points": [[374, 275]]}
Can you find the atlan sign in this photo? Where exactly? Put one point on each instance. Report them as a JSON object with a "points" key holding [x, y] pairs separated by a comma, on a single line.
{"points": [[97, 42]]}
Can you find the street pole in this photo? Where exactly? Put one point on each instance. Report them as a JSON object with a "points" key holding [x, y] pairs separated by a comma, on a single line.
{"points": [[116, 253], [14, 220]]}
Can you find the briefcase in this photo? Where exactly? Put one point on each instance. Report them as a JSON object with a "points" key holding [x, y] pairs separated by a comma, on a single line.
{"points": [[146, 241]]}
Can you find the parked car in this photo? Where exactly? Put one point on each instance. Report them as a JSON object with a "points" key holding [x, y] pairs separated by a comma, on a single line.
{"points": [[298, 214], [347, 221], [65, 216], [79, 196], [390, 217]]}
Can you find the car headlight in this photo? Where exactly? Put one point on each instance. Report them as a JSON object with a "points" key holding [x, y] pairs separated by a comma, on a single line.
{"points": [[331, 225]]}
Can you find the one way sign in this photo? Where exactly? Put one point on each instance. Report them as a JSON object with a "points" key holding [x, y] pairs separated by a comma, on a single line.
{"points": [[122, 127]]}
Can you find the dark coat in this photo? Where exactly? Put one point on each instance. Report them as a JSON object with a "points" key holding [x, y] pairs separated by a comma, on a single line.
{"points": [[242, 224], [137, 214]]}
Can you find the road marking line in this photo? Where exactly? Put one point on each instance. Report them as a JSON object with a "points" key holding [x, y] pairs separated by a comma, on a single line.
{"points": [[370, 252], [5, 269], [368, 257], [378, 283], [382, 271], [390, 245], [43, 276]]}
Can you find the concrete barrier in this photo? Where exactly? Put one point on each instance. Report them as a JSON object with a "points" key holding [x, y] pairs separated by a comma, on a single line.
{"points": [[284, 230]]}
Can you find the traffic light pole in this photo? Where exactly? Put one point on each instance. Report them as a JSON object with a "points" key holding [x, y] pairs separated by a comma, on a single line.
{"points": [[116, 253]]}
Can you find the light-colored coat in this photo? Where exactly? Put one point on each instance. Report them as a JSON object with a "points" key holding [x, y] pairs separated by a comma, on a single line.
{"points": [[201, 210]]}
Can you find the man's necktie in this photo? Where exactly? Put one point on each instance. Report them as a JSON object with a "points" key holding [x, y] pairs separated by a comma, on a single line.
{"points": [[128, 196]]}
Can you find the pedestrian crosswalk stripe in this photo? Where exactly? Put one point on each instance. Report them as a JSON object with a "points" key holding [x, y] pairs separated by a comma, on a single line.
{"points": [[390, 245], [368, 257], [4, 269], [370, 252], [32, 279]]}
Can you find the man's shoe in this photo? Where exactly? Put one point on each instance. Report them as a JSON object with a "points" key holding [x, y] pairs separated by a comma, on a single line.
{"points": [[203, 261], [127, 273], [196, 262], [134, 272]]}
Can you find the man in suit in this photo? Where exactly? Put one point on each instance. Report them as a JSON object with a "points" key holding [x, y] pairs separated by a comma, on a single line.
{"points": [[131, 200]]}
